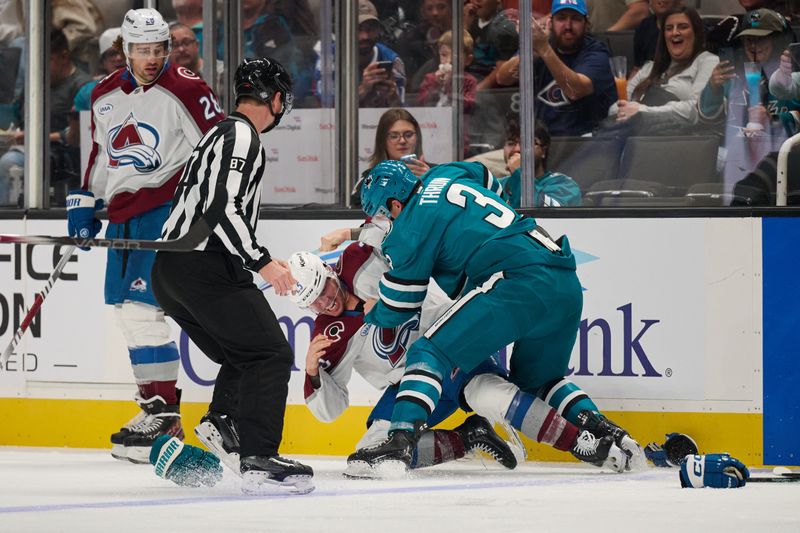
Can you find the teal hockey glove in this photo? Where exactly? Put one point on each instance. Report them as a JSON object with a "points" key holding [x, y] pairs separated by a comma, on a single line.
{"points": [[184, 464]]}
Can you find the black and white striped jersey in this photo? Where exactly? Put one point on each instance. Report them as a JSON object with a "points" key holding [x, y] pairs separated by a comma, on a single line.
{"points": [[222, 181]]}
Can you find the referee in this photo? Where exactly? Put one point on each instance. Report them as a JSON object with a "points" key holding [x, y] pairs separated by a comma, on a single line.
{"points": [[210, 292]]}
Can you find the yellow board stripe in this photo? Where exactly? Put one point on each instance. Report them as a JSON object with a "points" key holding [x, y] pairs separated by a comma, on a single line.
{"points": [[89, 423]]}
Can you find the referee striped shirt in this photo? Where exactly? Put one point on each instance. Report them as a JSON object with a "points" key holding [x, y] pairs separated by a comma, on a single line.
{"points": [[222, 180]]}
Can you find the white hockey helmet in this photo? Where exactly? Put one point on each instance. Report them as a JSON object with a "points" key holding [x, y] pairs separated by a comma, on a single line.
{"points": [[311, 273], [144, 26]]}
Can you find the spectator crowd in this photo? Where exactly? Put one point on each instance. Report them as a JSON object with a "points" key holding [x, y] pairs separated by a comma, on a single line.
{"points": [[725, 72]]}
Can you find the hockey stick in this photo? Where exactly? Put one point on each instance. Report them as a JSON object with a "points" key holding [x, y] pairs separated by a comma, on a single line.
{"points": [[199, 231], [781, 474], [782, 478], [37, 303]]}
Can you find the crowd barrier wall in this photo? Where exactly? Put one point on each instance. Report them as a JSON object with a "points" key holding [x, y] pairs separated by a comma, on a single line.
{"points": [[689, 325]]}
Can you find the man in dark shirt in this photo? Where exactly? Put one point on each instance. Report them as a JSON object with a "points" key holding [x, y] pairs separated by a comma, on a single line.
{"points": [[573, 83]]}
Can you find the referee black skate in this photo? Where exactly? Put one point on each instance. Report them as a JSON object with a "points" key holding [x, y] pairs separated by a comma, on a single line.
{"points": [[210, 292]]}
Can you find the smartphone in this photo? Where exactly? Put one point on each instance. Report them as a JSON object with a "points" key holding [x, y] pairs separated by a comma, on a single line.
{"points": [[794, 51], [408, 157], [388, 66], [726, 53]]}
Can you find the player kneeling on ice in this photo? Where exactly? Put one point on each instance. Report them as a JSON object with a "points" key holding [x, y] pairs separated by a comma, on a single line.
{"points": [[511, 282], [341, 343]]}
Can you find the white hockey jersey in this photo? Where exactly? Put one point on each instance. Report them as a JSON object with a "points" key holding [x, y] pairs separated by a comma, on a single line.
{"points": [[143, 136], [377, 354]]}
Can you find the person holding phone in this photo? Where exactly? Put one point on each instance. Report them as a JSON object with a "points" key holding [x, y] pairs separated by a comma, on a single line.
{"points": [[397, 137], [752, 125], [383, 76]]}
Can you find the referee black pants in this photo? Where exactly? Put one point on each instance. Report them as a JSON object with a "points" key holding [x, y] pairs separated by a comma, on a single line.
{"points": [[213, 298]]}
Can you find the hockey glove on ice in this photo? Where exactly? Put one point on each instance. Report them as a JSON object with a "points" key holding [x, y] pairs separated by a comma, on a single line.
{"points": [[81, 209], [716, 470], [184, 464], [672, 451]]}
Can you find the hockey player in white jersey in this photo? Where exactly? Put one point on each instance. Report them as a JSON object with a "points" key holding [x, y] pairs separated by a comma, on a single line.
{"points": [[146, 120]]}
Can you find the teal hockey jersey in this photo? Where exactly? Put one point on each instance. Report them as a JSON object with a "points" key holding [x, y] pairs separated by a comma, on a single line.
{"points": [[458, 230]]}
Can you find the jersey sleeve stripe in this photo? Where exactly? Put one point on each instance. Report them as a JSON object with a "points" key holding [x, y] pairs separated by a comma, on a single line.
{"points": [[422, 283], [403, 287], [400, 307]]}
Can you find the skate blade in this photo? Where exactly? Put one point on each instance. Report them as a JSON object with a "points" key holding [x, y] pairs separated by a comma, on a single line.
{"points": [[359, 470], [636, 462], [119, 452], [211, 439], [139, 455], [259, 483], [388, 470], [616, 462]]}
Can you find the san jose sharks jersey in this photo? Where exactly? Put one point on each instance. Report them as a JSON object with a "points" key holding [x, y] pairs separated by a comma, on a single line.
{"points": [[377, 354], [449, 232], [143, 136]]}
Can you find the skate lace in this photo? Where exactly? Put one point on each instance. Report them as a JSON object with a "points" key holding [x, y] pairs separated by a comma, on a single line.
{"points": [[586, 444], [137, 421], [156, 423], [488, 448]]}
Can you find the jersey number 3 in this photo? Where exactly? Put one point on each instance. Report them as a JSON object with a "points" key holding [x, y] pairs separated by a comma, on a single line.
{"points": [[500, 215]]}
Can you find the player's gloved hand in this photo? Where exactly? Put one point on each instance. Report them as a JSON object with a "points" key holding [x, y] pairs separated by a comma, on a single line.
{"points": [[81, 209], [184, 464], [676, 447], [716, 470]]}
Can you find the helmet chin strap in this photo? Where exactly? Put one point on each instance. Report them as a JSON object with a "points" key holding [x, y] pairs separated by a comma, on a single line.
{"points": [[276, 117]]}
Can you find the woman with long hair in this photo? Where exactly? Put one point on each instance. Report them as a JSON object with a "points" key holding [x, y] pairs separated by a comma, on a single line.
{"points": [[398, 135], [666, 90]]}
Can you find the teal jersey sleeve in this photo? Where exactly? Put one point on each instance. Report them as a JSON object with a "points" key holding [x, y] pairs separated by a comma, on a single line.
{"points": [[554, 189]]}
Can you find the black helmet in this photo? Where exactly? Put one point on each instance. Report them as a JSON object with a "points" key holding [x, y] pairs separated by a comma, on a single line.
{"points": [[261, 79]]}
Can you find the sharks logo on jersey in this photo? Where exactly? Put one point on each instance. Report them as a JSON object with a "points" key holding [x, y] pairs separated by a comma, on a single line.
{"points": [[134, 143], [390, 343], [552, 96]]}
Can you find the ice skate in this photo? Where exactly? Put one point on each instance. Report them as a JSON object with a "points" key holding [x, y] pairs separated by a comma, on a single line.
{"points": [[160, 419], [271, 475], [601, 452], [219, 434], [388, 459], [478, 434], [118, 450], [601, 426]]}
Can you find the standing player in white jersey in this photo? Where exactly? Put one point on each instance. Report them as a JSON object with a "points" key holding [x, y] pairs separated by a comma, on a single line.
{"points": [[146, 120], [342, 343]]}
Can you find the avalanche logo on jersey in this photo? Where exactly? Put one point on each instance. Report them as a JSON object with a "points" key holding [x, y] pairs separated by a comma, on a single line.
{"points": [[133, 143], [390, 343], [553, 96]]}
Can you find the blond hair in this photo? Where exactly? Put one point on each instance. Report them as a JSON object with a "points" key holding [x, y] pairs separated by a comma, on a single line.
{"points": [[447, 40]]}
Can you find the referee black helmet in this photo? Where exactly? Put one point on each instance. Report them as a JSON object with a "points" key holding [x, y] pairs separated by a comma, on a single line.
{"points": [[261, 79]]}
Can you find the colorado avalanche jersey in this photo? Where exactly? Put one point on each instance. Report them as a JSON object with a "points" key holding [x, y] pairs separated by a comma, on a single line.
{"points": [[143, 136], [377, 354]]}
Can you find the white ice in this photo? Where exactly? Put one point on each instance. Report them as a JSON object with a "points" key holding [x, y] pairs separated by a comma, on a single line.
{"points": [[86, 491]]}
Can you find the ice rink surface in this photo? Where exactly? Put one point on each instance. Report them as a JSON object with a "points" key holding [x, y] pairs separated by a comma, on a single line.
{"points": [[65, 490]]}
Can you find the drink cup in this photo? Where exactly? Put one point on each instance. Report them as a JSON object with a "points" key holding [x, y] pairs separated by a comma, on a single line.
{"points": [[622, 88], [752, 74], [619, 68]]}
